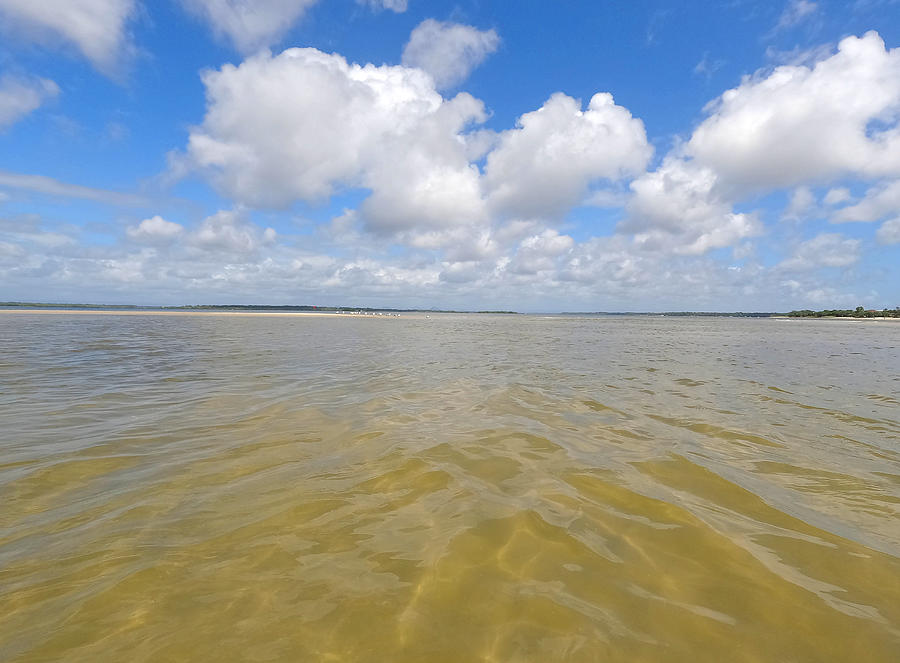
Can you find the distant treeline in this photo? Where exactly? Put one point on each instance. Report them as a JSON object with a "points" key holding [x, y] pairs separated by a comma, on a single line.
{"points": [[254, 307], [90, 306], [858, 312]]}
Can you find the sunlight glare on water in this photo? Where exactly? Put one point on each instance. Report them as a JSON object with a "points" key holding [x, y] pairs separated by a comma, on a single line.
{"points": [[452, 488]]}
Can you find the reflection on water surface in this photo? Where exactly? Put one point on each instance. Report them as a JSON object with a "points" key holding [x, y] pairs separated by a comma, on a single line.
{"points": [[457, 488]]}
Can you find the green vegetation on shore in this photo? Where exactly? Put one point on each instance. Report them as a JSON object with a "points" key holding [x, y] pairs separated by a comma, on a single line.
{"points": [[858, 312]]}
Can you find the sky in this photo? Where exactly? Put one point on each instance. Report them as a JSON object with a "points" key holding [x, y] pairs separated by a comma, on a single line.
{"points": [[532, 155]]}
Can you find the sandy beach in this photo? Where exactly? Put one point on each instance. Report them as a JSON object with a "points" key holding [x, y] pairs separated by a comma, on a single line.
{"points": [[836, 317]]}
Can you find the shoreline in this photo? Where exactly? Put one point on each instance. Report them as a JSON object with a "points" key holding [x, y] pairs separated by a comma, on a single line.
{"points": [[311, 314], [349, 314], [833, 317]]}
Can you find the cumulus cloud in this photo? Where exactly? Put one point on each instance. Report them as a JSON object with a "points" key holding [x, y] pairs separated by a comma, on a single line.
{"points": [[631, 278], [228, 258], [422, 179], [97, 28], [303, 125], [789, 128], [545, 165], [155, 230], [678, 207], [539, 252], [889, 232], [448, 51], [299, 124], [250, 24], [21, 95], [806, 124], [611, 261], [825, 250], [228, 232]]}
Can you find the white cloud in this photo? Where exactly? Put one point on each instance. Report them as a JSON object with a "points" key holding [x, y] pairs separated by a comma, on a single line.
{"points": [[155, 230], [250, 24], [473, 247], [27, 233], [889, 232], [227, 231], [796, 12], [98, 28], [678, 208], [825, 250], [880, 201], [462, 272], [837, 196], [813, 294], [539, 252], [19, 96], [800, 124], [228, 258], [609, 260], [792, 127], [53, 187], [397, 6], [299, 124], [801, 203], [545, 165], [422, 178], [448, 51], [304, 124], [631, 278]]}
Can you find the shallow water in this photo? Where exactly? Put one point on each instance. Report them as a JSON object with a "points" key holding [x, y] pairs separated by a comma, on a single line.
{"points": [[452, 488]]}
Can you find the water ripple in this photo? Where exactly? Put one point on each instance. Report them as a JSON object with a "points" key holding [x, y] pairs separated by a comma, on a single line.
{"points": [[447, 489]]}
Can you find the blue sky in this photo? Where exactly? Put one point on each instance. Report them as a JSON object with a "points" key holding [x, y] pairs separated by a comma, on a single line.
{"points": [[532, 155]]}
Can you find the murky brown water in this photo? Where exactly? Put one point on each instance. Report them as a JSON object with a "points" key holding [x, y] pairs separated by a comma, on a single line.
{"points": [[459, 488]]}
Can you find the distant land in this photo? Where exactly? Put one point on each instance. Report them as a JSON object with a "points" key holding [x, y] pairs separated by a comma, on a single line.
{"points": [[708, 314], [858, 312], [237, 307]]}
